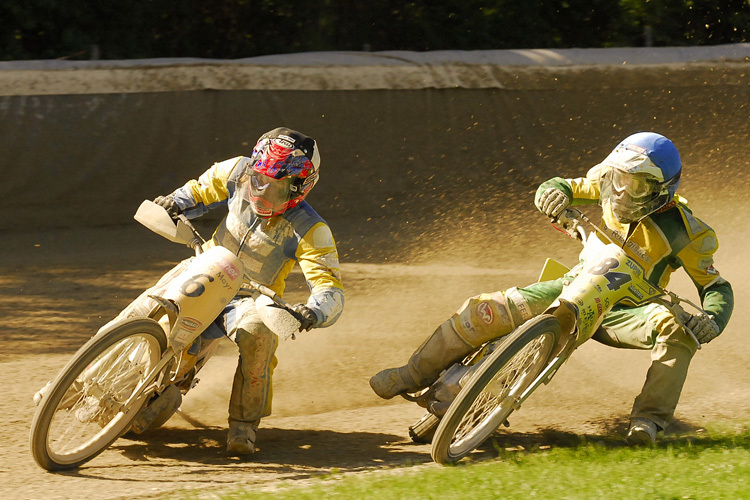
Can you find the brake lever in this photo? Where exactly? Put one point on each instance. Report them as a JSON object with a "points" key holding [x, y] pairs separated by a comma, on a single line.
{"points": [[568, 220]]}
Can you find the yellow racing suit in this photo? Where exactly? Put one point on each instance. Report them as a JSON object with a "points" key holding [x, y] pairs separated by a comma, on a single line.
{"points": [[270, 247]]}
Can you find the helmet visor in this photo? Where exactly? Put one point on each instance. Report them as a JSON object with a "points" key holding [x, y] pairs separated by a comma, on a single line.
{"points": [[268, 196]]}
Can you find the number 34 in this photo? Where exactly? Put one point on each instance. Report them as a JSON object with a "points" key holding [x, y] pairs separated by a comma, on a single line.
{"points": [[615, 279]]}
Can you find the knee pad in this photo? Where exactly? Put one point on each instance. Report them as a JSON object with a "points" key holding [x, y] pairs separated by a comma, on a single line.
{"points": [[487, 316], [669, 331], [251, 390], [256, 342]]}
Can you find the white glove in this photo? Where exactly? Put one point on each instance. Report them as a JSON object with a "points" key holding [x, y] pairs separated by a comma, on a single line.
{"points": [[703, 327], [552, 202]]}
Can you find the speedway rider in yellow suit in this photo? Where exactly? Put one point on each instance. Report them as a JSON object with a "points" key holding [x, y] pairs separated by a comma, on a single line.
{"points": [[635, 186], [273, 227]]}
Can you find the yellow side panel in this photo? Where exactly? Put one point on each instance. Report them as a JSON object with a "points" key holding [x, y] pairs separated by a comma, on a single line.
{"points": [[553, 270]]}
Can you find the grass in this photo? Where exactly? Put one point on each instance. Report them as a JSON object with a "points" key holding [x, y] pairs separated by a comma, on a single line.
{"points": [[714, 464]]}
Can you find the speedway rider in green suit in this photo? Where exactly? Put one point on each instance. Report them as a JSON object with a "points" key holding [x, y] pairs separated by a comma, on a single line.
{"points": [[636, 188], [272, 228]]}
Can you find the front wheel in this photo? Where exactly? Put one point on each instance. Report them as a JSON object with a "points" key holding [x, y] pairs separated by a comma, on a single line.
{"points": [[83, 410], [492, 392]]}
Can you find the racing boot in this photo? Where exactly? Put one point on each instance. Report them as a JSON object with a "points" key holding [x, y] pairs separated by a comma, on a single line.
{"points": [[241, 437], [443, 348], [642, 432], [159, 410]]}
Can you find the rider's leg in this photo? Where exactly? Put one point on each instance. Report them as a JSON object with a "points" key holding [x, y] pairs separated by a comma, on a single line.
{"points": [[444, 347], [481, 318], [653, 327], [252, 393]]}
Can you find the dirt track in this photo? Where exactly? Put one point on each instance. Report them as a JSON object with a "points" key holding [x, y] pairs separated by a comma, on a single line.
{"points": [[325, 417]]}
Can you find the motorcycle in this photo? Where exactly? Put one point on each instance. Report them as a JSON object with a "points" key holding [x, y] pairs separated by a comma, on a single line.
{"points": [[475, 396], [132, 374]]}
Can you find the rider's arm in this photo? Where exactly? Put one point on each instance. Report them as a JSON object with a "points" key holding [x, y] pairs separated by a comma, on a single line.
{"points": [[319, 260], [715, 292], [718, 300], [209, 191]]}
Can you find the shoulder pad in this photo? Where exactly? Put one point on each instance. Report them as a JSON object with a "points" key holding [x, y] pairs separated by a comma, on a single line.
{"points": [[702, 238], [693, 224], [302, 217]]}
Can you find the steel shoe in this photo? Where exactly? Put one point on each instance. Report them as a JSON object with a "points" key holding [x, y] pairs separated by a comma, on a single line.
{"points": [[158, 411], [38, 395]]}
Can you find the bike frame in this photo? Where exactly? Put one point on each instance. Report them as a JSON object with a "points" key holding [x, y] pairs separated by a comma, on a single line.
{"points": [[191, 302]]}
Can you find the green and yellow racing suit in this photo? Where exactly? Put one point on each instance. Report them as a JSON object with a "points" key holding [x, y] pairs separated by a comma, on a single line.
{"points": [[662, 242]]}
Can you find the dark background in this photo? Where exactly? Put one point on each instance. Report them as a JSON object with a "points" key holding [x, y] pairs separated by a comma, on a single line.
{"points": [[230, 29]]}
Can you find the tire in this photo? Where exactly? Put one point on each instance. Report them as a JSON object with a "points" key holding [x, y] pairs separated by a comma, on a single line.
{"points": [[80, 414], [424, 428], [489, 396]]}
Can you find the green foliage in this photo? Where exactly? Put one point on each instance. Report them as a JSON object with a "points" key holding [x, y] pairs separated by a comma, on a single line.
{"points": [[230, 29]]}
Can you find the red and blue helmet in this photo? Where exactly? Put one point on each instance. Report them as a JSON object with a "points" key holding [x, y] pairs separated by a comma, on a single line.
{"points": [[640, 176], [283, 168]]}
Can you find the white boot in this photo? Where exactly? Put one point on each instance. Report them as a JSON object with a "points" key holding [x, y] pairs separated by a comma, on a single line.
{"points": [[241, 437]]}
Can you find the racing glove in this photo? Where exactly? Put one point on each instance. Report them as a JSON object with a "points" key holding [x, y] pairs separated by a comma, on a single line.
{"points": [[703, 327], [168, 203], [307, 317], [552, 202]]}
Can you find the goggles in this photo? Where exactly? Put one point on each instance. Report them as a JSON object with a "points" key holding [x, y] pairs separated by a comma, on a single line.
{"points": [[637, 186], [632, 196]]}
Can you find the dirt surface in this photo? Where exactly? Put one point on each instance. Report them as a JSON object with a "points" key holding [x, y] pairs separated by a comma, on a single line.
{"points": [[57, 287]]}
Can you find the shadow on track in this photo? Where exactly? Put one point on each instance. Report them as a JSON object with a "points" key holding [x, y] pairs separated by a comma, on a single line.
{"points": [[293, 453]]}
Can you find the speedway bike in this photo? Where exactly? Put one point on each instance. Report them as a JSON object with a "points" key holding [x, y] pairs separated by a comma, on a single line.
{"points": [[474, 397], [132, 374]]}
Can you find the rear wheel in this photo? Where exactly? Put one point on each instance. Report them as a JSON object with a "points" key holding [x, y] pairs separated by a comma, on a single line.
{"points": [[424, 428], [82, 412], [492, 392]]}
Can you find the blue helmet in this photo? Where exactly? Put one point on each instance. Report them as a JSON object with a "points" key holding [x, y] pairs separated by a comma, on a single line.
{"points": [[640, 176]]}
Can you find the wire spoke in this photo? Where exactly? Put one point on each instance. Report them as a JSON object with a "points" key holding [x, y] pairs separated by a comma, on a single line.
{"points": [[92, 402], [499, 393]]}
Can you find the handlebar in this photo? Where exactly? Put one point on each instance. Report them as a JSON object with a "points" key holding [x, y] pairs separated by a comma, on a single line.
{"points": [[570, 219], [197, 242], [251, 288], [179, 229]]}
